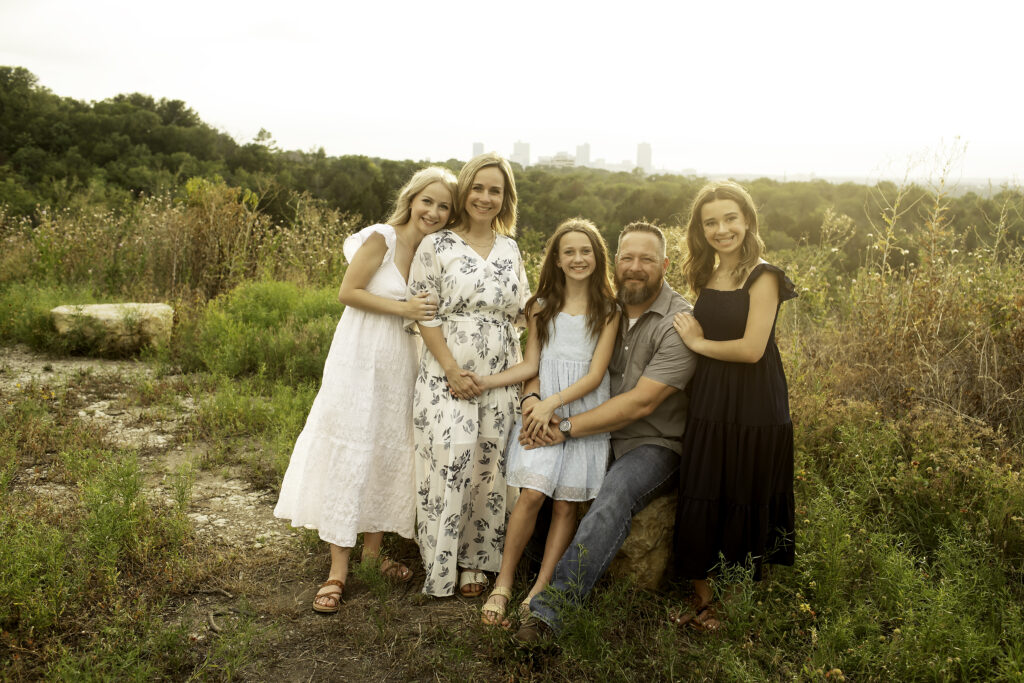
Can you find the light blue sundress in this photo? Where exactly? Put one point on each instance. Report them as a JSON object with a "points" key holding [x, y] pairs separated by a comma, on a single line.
{"points": [[572, 470]]}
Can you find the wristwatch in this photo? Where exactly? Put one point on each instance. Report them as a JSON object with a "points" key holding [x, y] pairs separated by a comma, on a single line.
{"points": [[565, 427]]}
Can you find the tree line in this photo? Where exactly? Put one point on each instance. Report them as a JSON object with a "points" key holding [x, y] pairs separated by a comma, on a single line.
{"points": [[59, 151]]}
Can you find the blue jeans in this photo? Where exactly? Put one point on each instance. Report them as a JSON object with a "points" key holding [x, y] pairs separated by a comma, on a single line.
{"points": [[632, 482]]}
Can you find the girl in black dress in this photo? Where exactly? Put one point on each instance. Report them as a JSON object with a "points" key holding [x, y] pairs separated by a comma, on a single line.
{"points": [[736, 476]]}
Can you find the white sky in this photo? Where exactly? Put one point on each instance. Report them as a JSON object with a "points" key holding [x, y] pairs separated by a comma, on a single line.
{"points": [[863, 89]]}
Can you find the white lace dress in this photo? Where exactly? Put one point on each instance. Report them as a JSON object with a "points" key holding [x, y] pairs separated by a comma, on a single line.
{"points": [[352, 467], [460, 466]]}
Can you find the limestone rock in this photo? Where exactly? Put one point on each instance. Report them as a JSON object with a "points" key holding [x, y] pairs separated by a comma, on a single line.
{"points": [[647, 551], [115, 327]]}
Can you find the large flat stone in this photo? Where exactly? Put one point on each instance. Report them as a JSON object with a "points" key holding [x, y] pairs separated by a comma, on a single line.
{"points": [[115, 327]]}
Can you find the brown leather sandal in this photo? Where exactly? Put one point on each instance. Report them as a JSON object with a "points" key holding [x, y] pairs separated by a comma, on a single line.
{"points": [[701, 616], [394, 570], [680, 617], [334, 597]]}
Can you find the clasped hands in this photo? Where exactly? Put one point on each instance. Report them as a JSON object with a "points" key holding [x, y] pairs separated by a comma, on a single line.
{"points": [[540, 422]]}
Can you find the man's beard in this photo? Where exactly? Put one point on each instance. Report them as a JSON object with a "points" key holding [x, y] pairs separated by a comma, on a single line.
{"points": [[632, 295]]}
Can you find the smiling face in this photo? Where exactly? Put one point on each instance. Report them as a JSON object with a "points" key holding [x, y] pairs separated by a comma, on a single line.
{"points": [[724, 226], [486, 193], [431, 208], [639, 268], [576, 256]]}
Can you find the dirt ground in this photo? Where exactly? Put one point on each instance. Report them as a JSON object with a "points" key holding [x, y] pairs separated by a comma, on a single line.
{"points": [[257, 567]]}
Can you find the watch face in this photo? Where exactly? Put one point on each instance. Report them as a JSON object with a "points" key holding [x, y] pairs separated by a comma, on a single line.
{"points": [[564, 426]]}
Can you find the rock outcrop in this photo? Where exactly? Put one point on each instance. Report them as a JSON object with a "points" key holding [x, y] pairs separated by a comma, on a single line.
{"points": [[647, 551], [114, 327]]}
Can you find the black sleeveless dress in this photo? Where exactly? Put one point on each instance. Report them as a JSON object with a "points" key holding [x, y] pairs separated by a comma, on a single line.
{"points": [[736, 474]]}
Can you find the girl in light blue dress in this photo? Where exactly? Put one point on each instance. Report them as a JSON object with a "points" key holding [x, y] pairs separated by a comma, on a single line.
{"points": [[572, 323]]}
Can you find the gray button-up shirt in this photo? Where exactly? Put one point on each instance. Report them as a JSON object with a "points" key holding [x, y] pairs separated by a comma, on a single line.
{"points": [[652, 348]]}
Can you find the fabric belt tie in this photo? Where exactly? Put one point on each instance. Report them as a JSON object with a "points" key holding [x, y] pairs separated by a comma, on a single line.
{"points": [[508, 330]]}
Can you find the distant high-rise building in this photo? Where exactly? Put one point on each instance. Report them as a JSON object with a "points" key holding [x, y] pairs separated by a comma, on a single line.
{"points": [[521, 153], [559, 160], [643, 157], [478, 148], [563, 160], [583, 154]]}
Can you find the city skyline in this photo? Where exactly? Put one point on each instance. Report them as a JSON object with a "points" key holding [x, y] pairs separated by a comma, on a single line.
{"points": [[562, 159], [798, 92]]}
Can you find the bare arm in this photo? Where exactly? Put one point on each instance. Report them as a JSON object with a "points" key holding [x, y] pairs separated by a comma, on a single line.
{"points": [[764, 302], [360, 271], [520, 372], [461, 386], [542, 412], [616, 412]]}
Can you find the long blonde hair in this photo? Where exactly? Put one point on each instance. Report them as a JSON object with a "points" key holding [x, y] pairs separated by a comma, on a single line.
{"points": [[505, 222], [700, 257], [420, 180]]}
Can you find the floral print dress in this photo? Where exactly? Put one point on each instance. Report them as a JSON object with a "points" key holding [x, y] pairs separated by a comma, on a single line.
{"points": [[462, 499]]}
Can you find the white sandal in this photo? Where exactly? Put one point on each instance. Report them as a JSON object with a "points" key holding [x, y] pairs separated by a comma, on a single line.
{"points": [[472, 577], [492, 613]]}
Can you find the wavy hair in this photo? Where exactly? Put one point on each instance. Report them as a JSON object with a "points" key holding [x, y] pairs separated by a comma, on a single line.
{"points": [[551, 283], [421, 179], [700, 257], [505, 222]]}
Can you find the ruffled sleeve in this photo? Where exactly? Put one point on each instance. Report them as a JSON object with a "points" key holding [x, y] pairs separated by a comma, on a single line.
{"points": [[425, 276], [356, 240], [787, 290], [524, 288]]}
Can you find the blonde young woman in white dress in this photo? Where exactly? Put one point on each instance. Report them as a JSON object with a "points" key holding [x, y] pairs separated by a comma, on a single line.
{"points": [[475, 272], [352, 467]]}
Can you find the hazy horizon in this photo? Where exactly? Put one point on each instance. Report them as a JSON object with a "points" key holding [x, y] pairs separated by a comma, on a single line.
{"points": [[792, 90]]}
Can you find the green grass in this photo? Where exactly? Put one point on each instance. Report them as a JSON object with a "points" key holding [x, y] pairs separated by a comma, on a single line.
{"points": [[275, 330], [904, 387], [85, 575]]}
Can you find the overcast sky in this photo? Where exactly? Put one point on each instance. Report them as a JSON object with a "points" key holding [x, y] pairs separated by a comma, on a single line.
{"points": [[863, 89]]}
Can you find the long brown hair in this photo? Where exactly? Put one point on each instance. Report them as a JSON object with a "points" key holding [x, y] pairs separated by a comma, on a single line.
{"points": [[551, 283], [700, 256]]}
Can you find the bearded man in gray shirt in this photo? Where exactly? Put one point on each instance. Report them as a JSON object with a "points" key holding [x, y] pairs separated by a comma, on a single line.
{"points": [[646, 415]]}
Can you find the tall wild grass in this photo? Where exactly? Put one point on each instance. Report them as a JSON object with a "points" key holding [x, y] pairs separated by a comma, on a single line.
{"points": [[905, 387]]}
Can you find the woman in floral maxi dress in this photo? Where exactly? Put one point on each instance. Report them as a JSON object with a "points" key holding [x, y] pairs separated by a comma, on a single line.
{"points": [[476, 272]]}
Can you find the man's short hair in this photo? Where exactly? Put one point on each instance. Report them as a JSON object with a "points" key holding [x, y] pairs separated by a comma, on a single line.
{"points": [[643, 226]]}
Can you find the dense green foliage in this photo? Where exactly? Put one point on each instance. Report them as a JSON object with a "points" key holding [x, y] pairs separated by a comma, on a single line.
{"points": [[904, 353], [59, 152]]}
